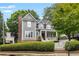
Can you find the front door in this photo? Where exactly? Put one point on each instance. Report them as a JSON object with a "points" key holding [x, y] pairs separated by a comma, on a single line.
{"points": [[43, 35]]}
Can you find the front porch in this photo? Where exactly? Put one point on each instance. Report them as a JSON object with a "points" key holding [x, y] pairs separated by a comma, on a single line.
{"points": [[47, 35]]}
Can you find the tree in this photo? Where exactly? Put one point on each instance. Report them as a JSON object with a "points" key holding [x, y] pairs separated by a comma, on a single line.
{"points": [[1, 28], [66, 18], [1, 24], [12, 22], [47, 13]]}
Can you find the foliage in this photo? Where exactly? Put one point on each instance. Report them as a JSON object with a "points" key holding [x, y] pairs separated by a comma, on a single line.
{"points": [[1, 40], [65, 18], [1, 24], [39, 38], [29, 46], [72, 45], [47, 13]]}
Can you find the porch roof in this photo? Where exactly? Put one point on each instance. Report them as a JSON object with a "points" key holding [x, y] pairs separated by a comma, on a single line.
{"points": [[46, 30]]}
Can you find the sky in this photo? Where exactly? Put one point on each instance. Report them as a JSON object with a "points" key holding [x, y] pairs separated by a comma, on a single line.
{"points": [[8, 8]]}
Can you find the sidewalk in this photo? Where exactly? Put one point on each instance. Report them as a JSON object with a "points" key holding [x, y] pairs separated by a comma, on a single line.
{"points": [[30, 53], [34, 53]]}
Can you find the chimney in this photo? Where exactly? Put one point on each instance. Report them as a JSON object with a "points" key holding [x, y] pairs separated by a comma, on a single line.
{"points": [[19, 28]]}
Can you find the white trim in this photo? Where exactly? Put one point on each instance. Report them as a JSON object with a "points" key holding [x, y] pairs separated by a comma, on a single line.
{"points": [[29, 32], [27, 15], [22, 30], [35, 30], [35, 35], [29, 24], [48, 26], [32, 16]]}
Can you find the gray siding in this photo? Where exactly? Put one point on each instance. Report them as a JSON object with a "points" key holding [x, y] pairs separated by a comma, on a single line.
{"points": [[32, 28]]}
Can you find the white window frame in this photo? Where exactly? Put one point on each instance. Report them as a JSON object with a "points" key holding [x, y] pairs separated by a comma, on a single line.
{"points": [[28, 24], [29, 33], [37, 33], [48, 26], [41, 26]]}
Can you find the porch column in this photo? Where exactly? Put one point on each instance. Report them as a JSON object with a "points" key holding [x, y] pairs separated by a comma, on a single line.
{"points": [[46, 35], [56, 35], [41, 35], [35, 35]]}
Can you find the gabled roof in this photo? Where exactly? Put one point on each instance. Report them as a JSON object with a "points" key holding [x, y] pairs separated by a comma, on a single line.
{"points": [[29, 14], [44, 21]]}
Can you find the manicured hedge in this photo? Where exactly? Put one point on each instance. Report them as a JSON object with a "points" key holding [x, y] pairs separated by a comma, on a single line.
{"points": [[28, 46], [72, 45], [1, 41]]}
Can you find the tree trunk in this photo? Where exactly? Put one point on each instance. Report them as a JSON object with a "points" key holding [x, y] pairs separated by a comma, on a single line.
{"points": [[69, 36], [58, 36], [73, 36]]}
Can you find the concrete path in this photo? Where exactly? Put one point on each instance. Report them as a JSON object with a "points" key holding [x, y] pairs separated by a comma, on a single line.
{"points": [[60, 45]]}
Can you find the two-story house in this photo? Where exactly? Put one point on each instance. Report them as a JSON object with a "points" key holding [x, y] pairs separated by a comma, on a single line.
{"points": [[29, 29]]}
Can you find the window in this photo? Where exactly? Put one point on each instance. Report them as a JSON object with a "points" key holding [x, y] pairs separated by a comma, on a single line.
{"points": [[37, 33], [48, 27], [31, 34], [44, 25], [41, 26], [28, 34], [36, 25], [49, 34], [28, 24]]}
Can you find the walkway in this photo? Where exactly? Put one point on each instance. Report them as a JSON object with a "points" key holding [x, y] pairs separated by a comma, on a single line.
{"points": [[60, 45], [34, 53]]}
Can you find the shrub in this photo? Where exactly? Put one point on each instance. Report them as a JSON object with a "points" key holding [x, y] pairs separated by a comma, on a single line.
{"points": [[72, 45], [1, 41], [28, 46], [39, 38]]}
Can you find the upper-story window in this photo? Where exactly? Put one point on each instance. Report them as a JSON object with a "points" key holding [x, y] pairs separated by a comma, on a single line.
{"points": [[48, 26], [41, 26], [44, 25], [36, 25], [28, 24]]}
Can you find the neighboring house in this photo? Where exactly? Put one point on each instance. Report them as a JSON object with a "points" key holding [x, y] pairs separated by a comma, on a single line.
{"points": [[8, 37], [30, 29]]}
